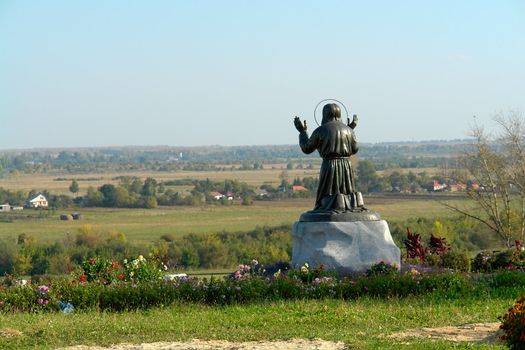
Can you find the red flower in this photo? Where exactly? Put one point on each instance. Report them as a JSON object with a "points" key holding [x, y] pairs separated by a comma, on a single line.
{"points": [[114, 264], [83, 278], [92, 261], [121, 276]]}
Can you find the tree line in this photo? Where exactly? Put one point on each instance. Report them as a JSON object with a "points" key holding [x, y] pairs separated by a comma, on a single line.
{"points": [[216, 158]]}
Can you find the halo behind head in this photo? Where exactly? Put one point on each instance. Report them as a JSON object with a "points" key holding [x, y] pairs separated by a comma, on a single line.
{"points": [[336, 103]]}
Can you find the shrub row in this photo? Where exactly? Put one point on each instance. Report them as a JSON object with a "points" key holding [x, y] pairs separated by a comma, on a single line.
{"points": [[248, 288], [27, 256]]}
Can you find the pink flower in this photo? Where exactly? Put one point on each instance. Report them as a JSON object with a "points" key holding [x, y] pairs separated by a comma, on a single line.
{"points": [[40, 301], [46, 302], [44, 289]]}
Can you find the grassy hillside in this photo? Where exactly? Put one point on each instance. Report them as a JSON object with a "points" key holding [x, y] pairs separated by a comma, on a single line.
{"points": [[146, 225]]}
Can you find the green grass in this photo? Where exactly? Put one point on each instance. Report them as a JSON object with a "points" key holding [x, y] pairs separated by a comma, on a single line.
{"points": [[362, 324], [146, 225]]}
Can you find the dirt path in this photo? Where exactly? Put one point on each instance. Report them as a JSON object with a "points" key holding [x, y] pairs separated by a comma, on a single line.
{"points": [[294, 344], [475, 333]]}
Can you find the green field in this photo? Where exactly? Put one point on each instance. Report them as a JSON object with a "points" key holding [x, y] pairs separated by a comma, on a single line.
{"points": [[146, 225], [360, 324]]}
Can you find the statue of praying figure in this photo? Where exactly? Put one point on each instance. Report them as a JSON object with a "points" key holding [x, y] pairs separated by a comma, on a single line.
{"points": [[336, 142]]}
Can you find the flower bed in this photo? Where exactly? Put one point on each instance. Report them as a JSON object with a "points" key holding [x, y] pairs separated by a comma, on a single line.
{"points": [[112, 286]]}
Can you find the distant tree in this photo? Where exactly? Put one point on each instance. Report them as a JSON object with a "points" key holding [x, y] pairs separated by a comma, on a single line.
{"points": [[247, 199], [8, 257], [136, 186], [367, 176], [93, 198], [284, 177], [122, 197], [110, 195], [497, 166], [59, 201], [150, 187], [125, 181], [150, 202], [423, 179], [32, 194], [73, 188]]}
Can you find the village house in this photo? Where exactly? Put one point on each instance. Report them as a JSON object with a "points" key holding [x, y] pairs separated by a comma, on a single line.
{"points": [[299, 188], [5, 207], [37, 202], [216, 195], [436, 186]]}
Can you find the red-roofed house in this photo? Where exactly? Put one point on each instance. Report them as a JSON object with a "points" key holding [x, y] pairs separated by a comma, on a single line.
{"points": [[435, 186], [216, 195]]}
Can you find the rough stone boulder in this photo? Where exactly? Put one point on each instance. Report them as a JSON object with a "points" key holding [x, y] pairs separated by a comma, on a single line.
{"points": [[343, 247]]}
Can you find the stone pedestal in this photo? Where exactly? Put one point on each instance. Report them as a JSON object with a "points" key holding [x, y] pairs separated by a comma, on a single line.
{"points": [[343, 247]]}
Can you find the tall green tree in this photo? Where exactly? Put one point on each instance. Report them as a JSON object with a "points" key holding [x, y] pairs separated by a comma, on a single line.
{"points": [[73, 188], [150, 187], [367, 177]]}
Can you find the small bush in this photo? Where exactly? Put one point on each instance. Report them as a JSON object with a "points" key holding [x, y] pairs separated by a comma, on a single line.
{"points": [[486, 261], [457, 261], [482, 262], [308, 274], [382, 269], [513, 325], [502, 259]]}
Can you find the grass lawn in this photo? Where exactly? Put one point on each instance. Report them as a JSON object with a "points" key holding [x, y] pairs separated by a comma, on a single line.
{"points": [[146, 225], [362, 324]]}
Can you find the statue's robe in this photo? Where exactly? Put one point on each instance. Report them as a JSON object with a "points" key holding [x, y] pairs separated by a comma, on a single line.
{"points": [[335, 142]]}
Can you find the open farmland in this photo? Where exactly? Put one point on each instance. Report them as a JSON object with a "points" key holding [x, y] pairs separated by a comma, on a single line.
{"points": [[58, 183], [146, 225]]}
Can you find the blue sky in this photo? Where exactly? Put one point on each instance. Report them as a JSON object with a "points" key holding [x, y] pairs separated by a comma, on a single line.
{"points": [[108, 72]]}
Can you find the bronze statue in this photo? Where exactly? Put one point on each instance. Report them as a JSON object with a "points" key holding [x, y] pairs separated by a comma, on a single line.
{"points": [[336, 142]]}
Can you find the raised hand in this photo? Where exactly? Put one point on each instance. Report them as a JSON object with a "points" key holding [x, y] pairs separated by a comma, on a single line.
{"points": [[299, 125], [352, 124]]}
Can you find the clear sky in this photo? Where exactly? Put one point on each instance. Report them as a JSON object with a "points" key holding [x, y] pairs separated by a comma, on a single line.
{"points": [[185, 73]]}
